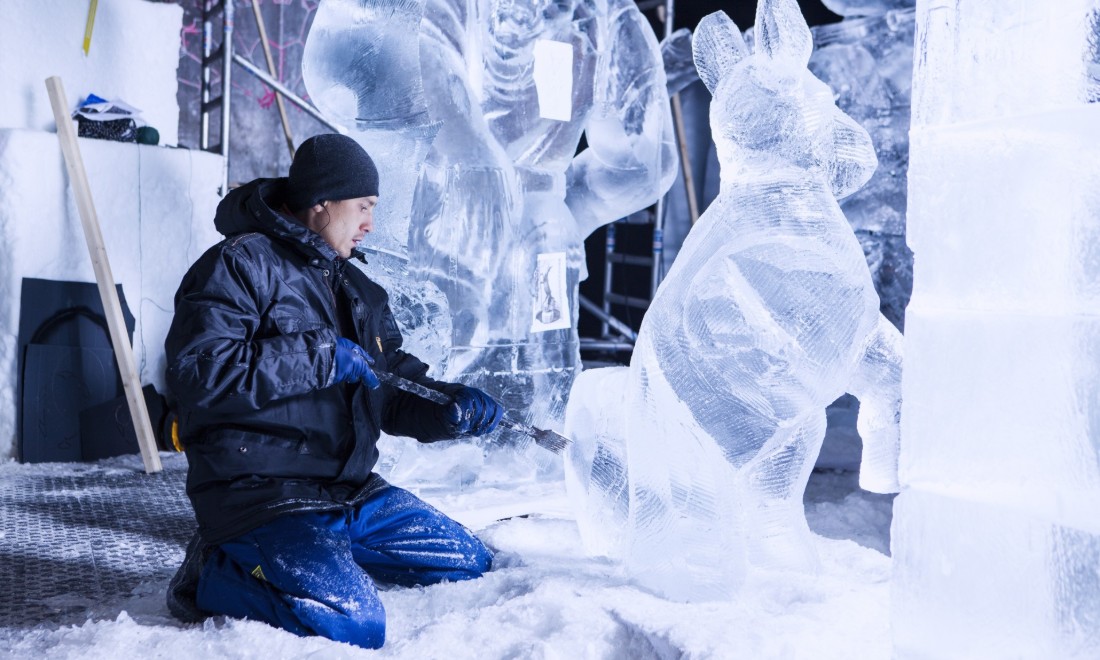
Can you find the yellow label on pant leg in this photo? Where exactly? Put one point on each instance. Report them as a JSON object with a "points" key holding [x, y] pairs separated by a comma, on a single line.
{"points": [[258, 573]]}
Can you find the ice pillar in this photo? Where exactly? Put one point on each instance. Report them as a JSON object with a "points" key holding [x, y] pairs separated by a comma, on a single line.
{"points": [[996, 534]]}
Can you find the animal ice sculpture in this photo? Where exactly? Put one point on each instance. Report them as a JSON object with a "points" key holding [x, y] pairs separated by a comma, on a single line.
{"points": [[767, 315], [496, 94]]}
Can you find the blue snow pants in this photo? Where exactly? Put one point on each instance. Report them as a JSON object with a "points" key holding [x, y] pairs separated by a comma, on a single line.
{"points": [[313, 573]]}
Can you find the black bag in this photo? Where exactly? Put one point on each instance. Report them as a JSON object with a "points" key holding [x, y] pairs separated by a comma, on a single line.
{"points": [[119, 130]]}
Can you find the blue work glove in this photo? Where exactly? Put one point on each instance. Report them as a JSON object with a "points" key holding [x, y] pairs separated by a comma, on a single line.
{"points": [[353, 364], [473, 412]]}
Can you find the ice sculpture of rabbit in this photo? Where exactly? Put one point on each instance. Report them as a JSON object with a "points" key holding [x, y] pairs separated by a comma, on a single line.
{"points": [[767, 316]]}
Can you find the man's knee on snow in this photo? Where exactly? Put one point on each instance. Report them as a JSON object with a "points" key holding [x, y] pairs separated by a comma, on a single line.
{"points": [[477, 561], [361, 622]]}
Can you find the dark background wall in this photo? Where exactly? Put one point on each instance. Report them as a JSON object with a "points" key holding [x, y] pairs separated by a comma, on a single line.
{"points": [[687, 13], [257, 145]]}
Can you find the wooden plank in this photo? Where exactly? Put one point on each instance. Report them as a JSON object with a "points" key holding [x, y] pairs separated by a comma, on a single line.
{"points": [[124, 353], [271, 69], [685, 161]]}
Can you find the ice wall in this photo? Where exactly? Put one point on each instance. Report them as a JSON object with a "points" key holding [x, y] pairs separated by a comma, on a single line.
{"points": [[155, 208], [133, 57], [996, 535]]}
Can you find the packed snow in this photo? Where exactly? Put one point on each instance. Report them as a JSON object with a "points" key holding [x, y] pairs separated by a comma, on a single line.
{"points": [[544, 597]]}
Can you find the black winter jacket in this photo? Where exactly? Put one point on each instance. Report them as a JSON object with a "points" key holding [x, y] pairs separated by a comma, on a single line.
{"points": [[250, 368]]}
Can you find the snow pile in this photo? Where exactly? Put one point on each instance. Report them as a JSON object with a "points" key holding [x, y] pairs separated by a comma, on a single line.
{"points": [[543, 598], [997, 534]]}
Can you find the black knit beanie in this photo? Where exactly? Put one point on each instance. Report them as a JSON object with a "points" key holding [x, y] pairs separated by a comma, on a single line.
{"points": [[329, 167]]}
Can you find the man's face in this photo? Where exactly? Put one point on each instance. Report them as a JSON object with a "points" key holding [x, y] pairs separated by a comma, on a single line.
{"points": [[344, 223]]}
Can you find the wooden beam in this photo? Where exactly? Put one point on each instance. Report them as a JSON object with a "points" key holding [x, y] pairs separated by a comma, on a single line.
{"points": [[112, 308], [685, 160], [271, 69]]}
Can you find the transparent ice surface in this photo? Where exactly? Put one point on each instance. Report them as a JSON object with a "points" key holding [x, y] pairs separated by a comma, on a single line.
{"points": [[363, 73], [1001, 468], [477, 121], [866, 7], [767, 316], [679, 65], [868, 63], [419, 308], [955, 85]]}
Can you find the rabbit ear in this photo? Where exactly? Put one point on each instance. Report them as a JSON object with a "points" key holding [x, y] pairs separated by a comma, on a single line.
{"points": [[781, 31], [716, 46]]}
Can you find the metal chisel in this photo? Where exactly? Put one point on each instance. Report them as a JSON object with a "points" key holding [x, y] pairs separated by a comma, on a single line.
{"points": [[542, 437]]}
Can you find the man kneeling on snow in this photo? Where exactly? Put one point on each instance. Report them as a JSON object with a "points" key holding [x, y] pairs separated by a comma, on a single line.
{"points": [[270, 358]]}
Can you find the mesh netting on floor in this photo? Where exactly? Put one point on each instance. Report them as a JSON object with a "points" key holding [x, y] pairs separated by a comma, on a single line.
{"points": [[74, 534]]}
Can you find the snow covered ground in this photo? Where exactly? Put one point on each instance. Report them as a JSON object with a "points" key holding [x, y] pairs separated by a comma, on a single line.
{"points": [[543, 599]]}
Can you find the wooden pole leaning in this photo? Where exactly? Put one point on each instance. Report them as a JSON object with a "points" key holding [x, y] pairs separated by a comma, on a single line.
{"points": [[104, 279], [271, 69], [685, 161]]}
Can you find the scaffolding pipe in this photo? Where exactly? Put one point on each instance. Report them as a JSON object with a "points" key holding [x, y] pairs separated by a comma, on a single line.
{"points": [[608, 273], [204, 113], [685, 160], [227, 67], [604, 345], [659, 220], [609, 320], [282, 89], [271, 69]]}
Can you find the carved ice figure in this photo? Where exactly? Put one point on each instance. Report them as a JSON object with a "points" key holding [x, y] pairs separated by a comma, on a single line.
{"points": [[495, 95], [767, 315]]}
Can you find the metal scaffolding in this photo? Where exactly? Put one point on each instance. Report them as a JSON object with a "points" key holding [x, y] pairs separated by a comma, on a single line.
{"points": [[222, 57]]}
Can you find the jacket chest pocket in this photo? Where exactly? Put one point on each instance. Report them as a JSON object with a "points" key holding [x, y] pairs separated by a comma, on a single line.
{"points": [[290, 322]]}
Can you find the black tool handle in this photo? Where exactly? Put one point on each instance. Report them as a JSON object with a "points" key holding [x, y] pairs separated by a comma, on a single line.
{"points": [[414, 388], [546, 439]]}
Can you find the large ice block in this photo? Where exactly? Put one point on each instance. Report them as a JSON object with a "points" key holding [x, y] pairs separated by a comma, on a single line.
{"points": [[969, 48], [986, 419], [976, 579], [1005, 214], [155, 208], [995, 533]]}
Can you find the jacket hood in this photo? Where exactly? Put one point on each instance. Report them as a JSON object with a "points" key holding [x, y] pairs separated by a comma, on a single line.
{"points": [[251, 208]]}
